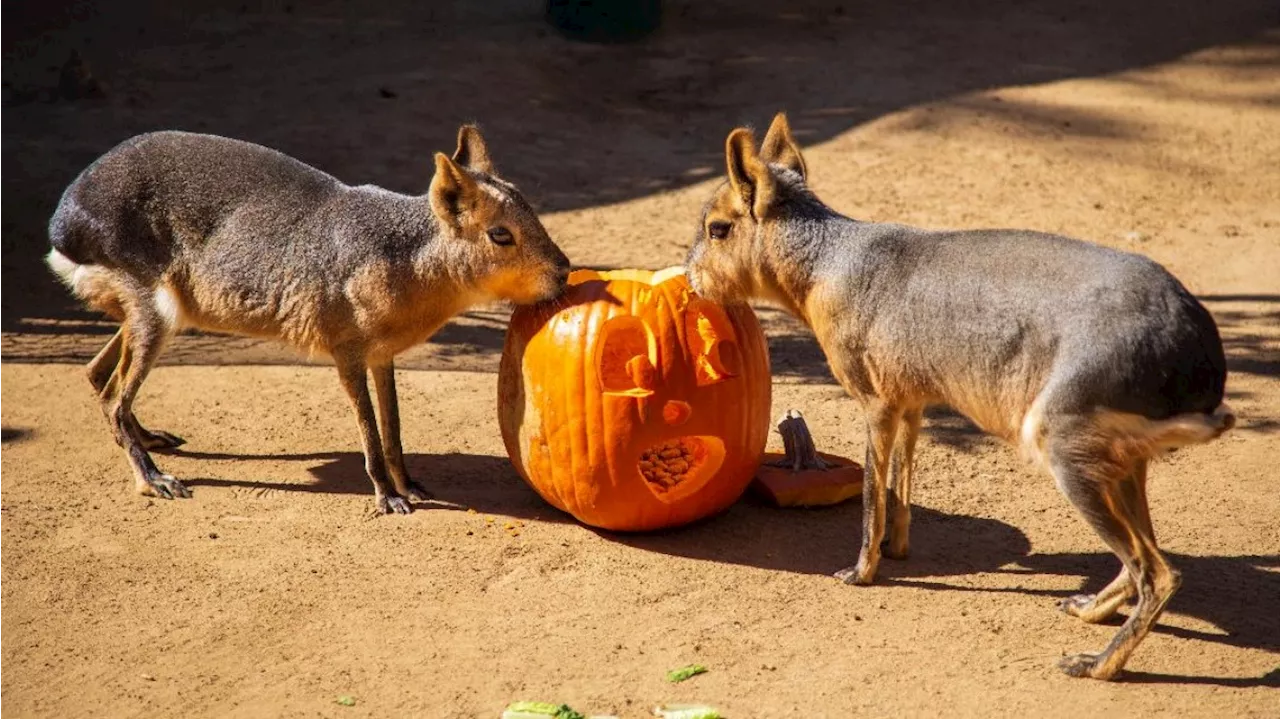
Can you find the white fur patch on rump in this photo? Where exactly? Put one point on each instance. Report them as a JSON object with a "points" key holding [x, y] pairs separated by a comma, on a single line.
{"points": [[88, 281], [169, 307], [72, 273]]}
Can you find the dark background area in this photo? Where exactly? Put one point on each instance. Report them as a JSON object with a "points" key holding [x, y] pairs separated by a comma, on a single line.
{"points": [[367, 91]]}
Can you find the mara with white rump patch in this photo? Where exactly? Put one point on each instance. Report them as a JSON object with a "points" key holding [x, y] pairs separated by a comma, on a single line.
{"points": [[1095, 361], [172, 229]]}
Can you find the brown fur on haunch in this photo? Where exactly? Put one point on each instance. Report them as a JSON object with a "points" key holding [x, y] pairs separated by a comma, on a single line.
{"points": [[172, 230], [1094, 361]]}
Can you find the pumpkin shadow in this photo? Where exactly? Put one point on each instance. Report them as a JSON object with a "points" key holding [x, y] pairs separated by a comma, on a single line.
{"points": [[486, 483], [826, 540]]}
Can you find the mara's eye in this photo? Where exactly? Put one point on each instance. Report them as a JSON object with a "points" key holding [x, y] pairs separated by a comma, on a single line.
{"points": [[718, 230], [501, 236]]}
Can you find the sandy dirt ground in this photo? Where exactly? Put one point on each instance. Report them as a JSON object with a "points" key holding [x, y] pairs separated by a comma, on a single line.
{"points": [[273, 591]]}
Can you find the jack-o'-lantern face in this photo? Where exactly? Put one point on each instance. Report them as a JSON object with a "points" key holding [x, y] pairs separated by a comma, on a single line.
{"points": [[632, 403]]}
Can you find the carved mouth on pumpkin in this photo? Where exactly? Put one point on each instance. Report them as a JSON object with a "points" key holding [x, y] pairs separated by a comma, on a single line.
{"points": [[676, 468]]}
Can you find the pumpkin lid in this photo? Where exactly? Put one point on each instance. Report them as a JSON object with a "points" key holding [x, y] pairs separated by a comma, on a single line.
{"points": [[649, 277]]}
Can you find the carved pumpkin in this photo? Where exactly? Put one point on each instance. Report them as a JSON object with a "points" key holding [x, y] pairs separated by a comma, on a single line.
{"points": [[632, 403]]}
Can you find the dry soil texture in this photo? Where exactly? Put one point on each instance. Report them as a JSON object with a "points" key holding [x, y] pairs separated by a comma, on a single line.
{"points": [[1143, 125]]}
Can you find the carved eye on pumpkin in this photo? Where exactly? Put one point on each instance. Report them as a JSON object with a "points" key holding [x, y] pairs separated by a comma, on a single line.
{"points": [[627, 355], [711, 342]]}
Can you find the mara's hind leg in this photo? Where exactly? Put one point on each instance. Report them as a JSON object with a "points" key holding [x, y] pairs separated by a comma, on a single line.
{"points": [[103, 365], [902, 469], [101, 371], [1094, 608], [384, 381], [1095, 482], [143, 336]]}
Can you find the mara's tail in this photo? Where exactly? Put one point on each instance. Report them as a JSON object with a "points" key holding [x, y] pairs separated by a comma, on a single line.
{"points": [[73, 274], [90, 283], [1192, 428], [1132, 435], [1150, 438]]}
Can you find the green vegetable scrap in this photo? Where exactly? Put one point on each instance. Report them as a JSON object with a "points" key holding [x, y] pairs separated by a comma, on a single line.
{"points": [[678, 675], [687, 711], [543, 708], [347, 701], [540, 710]]}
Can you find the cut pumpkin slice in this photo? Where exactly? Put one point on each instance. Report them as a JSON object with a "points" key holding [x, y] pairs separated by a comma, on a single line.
{"points": [[804, 477]]}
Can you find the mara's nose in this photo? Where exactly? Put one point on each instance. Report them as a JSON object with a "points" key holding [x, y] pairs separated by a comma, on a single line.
{"points": [[561, 269], [676, 412]]}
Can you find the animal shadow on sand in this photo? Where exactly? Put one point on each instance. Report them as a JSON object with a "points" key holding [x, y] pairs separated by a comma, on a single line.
{"points": [[1234, 594], [14, 434], [458, 481], [818, 541], [1231, 593]]}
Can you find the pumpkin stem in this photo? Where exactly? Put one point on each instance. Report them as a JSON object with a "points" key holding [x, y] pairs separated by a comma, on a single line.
{"points": [[797, 442]]}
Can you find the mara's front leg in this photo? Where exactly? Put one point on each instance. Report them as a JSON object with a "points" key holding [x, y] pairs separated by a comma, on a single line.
{"points": [[882, 427], [353, 372], [384, 380]]}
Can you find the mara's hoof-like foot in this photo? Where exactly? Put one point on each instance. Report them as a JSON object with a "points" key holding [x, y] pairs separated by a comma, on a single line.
{"points": [[393, 504], [1076, 604], [164, 486], [856, 575], [415, 492], [1085, 607], [1082, 665], [153, 439]]}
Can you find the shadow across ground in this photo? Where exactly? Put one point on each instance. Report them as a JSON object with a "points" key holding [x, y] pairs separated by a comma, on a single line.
{"points": [[459, 481], [576, 125], [1249, 334], [474, 339], [1234, 594]]}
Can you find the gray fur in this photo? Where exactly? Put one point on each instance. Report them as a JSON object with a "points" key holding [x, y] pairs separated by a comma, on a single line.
{"points": [[1094, 360], [1124, 333], [174, 229]]}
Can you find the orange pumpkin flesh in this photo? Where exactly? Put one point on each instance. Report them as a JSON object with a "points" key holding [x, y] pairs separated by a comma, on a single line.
{"points": [[785, 487], [632, 403]]}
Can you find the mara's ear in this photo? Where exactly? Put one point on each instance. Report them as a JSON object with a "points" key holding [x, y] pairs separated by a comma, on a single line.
{"points": [[780, 148], [748, 176], [472, 152], [452, 192]]}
